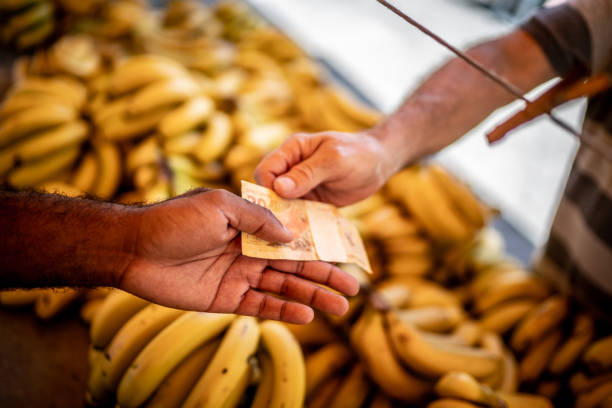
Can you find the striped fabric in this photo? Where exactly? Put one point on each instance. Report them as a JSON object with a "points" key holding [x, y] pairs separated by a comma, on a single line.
{"points": [[578, 255]]}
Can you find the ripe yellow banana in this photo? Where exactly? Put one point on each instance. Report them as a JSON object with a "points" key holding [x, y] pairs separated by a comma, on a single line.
{"points": [[66, 90], [132, 338], [125, 127], [409, 264], [24, 100], [47, 168], [118, 308], [324, 363], [182, 144], [76, 55], [467, 334], [353, 390], [549, 388], [228, 366], [144, 153], [433, 318], [380, 400], [265, 388], [406, 244], [504, 317], [289, 372], [315, 333], [108, 110], [539, 321], [145, 176], [451, 403], [208, 171], [166, 92], [176, 386], [461, 196], [188, 116], [95, 378], [364, 116], [510, 377], [34, 119], [141, 70], [370, 341], [599, 355], [110, 164], [267, 136], [89, 309], [49, 141], [570, 351], [325, 393], [162, 354], [460, 385], [581, 383], [31, 16], [538, 356], [85, 175], [20, 297], [510, 286], [240, 155], [52, 302], [521, 400], [433, 359], [216, 139]]}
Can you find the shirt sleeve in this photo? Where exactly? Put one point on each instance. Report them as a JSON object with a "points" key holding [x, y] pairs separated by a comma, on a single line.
{"points": [[576, 34]]}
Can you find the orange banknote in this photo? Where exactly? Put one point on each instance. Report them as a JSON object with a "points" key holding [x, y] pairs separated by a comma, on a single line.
{"points": [[320, 232]]}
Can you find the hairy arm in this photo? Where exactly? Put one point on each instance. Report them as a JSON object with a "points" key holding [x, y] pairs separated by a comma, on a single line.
{"points": [[449, 103], [51, 240]]}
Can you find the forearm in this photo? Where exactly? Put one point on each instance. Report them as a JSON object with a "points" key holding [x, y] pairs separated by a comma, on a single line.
{"points": [[457, 97], [50, 240]]}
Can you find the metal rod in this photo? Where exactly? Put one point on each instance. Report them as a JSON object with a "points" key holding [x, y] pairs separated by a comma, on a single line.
{"points": [[498, 80]]}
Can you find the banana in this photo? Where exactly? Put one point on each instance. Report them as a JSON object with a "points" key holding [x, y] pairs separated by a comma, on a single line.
{"points": [[35, 35], [236, 395], [85, 175], [539, 321], [433, 319], [356, 304], [124, 127], [289, 371], [549, 389], [145, 176], [52, 302], [521, 400], [24, 100], [504, 317], [37, 172], [89, 309], [599, 355], [95, 377], [76, 55], [510, 377], [466, 334], [182, 144], [538, 356], [109, 159], [165, 351], [461, 196], [35, 119], [59, 187], [331, 118], [324, 363], [144, 153], [365, 116], [433, 295], [176, 386], [118, 308], [216, 138], [166, 92], [433, 359], [570, 351], [580, 383], [28, 18], [141, 70], [20, 297], [228, 366], [263, 395], [188, 116], [406, 244], [47, 142], [509, 286], [595, 397], [66, 90], [209, 171], [12, 5], [183, 182], [108, 110], [451, 403], [132, 338], [409, 264], [325, 393], [240, 155], [460, 385], [267, 136], [370, 341], [314, 333], [160, 191], [353, 390], [380, 400]]}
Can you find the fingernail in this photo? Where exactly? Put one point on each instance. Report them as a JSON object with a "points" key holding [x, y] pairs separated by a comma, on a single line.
{"points": [[288, 232], [285, 184]]}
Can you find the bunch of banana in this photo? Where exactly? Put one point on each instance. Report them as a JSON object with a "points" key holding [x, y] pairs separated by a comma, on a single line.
{"points": [[26, 23], [446, 209]]}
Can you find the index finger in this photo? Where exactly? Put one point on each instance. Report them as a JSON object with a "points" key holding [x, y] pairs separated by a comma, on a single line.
{"points": [[279, 161], [320, 272]]}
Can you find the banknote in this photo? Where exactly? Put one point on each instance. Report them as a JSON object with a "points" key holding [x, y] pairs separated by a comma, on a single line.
{"points": [[320, 232]]}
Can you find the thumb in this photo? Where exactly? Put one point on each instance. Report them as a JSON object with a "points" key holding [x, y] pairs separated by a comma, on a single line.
{"points": [[303, 177]]}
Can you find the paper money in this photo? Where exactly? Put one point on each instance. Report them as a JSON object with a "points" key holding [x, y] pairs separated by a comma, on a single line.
{"points": [[320, 232]]}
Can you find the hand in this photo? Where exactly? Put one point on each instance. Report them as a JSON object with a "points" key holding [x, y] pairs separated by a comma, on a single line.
{"points": [[338, 168], [188, 256]]}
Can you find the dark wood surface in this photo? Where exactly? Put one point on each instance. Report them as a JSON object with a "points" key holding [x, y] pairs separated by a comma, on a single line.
{"points": [[42, 364]]}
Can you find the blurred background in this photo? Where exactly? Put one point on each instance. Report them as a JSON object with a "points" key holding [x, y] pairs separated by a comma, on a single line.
{"points": [[383, 58]]}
